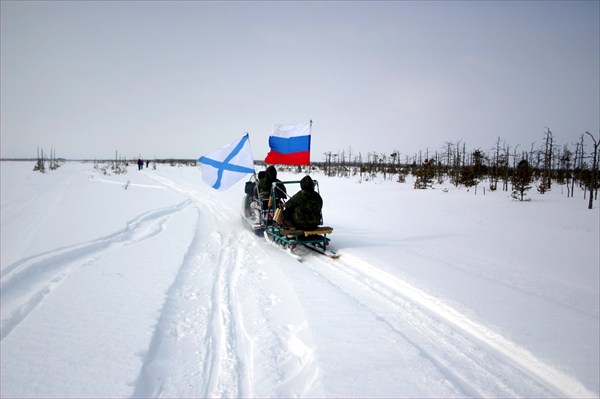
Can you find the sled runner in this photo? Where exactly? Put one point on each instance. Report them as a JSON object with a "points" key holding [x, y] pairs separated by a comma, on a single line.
{"points": [[263, 214], [291, 239]]}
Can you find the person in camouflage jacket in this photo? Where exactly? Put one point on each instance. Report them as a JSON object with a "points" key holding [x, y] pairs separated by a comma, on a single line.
{"points": [[303, 210], [264, 184]]}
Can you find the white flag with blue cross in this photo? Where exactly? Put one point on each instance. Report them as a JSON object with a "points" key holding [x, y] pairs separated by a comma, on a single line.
{"points": [[225, 166]]}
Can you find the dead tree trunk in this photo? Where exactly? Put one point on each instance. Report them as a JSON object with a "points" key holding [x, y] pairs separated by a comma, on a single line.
{"points": [[594, 175]]}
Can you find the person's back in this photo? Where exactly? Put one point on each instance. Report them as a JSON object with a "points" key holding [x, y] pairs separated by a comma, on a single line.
{"points": [[304, 208], [265, 184]]}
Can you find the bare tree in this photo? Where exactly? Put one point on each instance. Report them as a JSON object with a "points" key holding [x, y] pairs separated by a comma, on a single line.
{"points": [[577, 167], [548, 151], [565, 169], [39, 165], [593, 186], [495, 167]]}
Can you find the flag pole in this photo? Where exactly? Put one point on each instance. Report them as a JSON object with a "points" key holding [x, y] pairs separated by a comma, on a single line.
{"points": [[310, 135], [253, 164]]}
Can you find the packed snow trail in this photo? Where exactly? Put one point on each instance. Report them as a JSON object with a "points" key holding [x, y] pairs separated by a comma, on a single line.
{"points": [[234, 348]]}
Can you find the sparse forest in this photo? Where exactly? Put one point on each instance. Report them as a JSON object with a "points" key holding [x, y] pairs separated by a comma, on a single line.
{"points": [[44, 159], [501, 167], [116, 166]]}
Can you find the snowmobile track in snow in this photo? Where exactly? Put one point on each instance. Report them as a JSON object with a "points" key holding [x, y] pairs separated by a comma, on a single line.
{"points": [[42, 273], [209, 333], [441, 334], [200, 333], [459, 347], [201, 307]]}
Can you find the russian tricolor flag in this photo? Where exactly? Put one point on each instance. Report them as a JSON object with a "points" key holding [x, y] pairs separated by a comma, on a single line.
{"points": [[290, 145]]}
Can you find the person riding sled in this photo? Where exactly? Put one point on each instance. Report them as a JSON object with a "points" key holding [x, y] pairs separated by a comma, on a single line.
{"points": [[303, 210], [265, 183]]}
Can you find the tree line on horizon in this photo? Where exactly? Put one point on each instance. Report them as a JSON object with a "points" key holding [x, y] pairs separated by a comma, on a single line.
{"points": [[502, 167]]}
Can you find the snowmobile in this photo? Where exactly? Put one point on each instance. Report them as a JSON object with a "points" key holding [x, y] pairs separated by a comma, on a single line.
{"points": [[264, 215]]}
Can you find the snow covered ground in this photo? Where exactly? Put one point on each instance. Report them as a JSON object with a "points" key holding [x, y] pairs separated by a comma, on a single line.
{"points": [[146, 284]]}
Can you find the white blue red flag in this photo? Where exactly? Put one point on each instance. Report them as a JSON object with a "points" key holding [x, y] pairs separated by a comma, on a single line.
{"points": [[290, 145], [225, 166]]}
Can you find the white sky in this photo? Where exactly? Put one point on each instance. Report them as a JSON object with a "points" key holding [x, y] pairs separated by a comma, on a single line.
{"points": [[179, 79]]}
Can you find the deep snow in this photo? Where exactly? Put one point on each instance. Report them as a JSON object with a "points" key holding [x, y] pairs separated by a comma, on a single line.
{"points": [[157, 290]]}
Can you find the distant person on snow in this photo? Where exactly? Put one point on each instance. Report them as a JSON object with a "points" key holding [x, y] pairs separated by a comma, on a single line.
{"points": [[140, 164], [303, 210]]}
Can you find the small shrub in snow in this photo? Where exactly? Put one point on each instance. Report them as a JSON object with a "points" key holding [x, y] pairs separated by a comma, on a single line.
{"points": [[425, 175], [521, 180]]}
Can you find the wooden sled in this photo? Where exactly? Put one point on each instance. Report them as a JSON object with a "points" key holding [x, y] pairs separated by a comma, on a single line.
{"points": [[317, 231]]}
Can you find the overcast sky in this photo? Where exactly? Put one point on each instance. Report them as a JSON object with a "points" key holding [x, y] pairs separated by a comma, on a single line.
{"points": [[179, 79]]}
